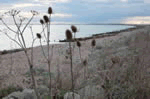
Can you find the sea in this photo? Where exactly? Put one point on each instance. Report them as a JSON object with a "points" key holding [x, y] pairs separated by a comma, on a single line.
{"points": [[57, 32]]}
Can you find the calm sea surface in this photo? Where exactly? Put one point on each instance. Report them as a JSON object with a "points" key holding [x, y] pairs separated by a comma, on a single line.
{"points": [[57, 33]]}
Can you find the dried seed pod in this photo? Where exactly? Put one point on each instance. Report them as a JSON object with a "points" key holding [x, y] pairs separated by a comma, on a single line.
{"points": [[68, 35], [78, 44], [38, 35], [85, 62], [41, 21], [50, 11], [74, 29], [46, 19], [93, 43], [103, 86]]}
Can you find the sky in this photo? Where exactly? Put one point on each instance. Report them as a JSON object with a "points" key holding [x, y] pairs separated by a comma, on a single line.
{"points": [[83, 11]]}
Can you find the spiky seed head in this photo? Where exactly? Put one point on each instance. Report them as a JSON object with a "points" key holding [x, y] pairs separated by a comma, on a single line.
{"points": [[103, 86], [41, 21], [38, 35], [74, 29], [78, 44], [93, 43], [50, 11], [68, 35], [46, 19], [85, 62]]}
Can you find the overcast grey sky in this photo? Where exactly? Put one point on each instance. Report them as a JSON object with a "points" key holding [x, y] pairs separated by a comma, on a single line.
{"points": [[84, 11]]}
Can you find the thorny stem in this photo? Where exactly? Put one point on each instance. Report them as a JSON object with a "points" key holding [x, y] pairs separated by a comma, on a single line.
{"points": [[43, 50], [49, 62], [80, 54], [43, 31], [74, 41], [71, 69], [91, 74]]}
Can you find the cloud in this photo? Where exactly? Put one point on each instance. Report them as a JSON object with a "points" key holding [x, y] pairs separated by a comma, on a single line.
{"points": [[137, 20], [52, 1], [124, 0], [146, 1], [22, 5]]}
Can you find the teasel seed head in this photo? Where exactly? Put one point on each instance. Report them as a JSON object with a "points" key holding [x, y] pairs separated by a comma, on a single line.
{"points": [[41, 21], [74, 29], [46, 19], [38, 35], [93, 43], [50, 11], [68, 35], [85, 62], [78, 44]]}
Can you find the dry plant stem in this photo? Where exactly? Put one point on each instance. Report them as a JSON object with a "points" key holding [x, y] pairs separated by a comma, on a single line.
{"points": [[49, 62], [18, 31], [82, 62], [71, 65], [23, 46], [58, 70], [43, 50], [8, 27], [11, 61], [43, 31], [74, 41], [91, 74], [80, 54]]}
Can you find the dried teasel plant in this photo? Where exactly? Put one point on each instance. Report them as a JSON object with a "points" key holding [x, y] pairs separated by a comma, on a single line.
{"points": [[93, 43], [69, 38], [46, 20], [85, 69], [50, 11], [68, 35], [79, 46], [41, 21], [74, 30], [38, 35]]}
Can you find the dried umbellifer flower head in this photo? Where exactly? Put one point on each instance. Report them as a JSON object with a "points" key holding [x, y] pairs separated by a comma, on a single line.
{"points": [[50, 11], [38, 35], [46, 19], [41, 21], [68, 35], [78, 44], [74, 29], [93, 43]]}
